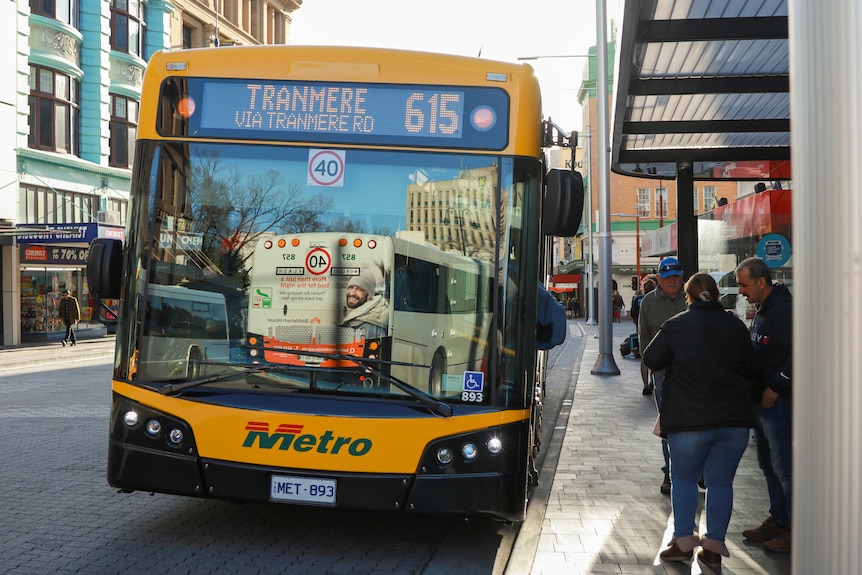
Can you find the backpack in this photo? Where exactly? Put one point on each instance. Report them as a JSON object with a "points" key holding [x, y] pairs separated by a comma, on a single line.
{"points": [[629, 346], [626, 347]]}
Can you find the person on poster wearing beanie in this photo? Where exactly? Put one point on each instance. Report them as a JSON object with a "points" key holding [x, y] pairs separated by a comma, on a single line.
{"points": [[364, 308]]}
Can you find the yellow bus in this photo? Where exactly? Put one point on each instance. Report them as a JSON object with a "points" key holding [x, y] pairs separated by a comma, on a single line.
{"points": [[374, 222]]}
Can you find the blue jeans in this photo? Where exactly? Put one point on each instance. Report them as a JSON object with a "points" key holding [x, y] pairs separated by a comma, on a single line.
{"points": [[774, 438], [658, 379], [715, 453]]}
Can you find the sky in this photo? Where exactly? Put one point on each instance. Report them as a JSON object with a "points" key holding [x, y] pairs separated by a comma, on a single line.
{"points": [[496, 29]]}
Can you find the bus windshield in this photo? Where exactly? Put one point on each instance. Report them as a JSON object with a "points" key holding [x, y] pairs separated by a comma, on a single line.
{"points": [[336, 270]]}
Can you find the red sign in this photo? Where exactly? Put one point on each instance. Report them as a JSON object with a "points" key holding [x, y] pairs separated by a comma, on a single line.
{"points": [[35, 254]]}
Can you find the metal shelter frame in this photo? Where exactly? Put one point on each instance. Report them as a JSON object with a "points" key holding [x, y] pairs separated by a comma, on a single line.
{"points": [[702, 87], [704, 84]]}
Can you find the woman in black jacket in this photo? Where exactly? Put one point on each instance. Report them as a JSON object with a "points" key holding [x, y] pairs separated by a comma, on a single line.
{"points": [[705, 413]]}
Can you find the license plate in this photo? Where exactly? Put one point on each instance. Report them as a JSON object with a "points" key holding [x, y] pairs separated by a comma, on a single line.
{"points": [[302, 489]]}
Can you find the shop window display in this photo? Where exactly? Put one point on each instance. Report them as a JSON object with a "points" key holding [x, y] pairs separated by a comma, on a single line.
{"points": [[40, 301]]}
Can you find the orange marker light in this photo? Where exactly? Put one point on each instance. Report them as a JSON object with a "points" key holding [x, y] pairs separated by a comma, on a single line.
{"points": [[186, 107]]}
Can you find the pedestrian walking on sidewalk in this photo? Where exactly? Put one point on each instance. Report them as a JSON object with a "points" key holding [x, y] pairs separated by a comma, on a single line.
{"points": [[772, 337], [705, 413], [618, 305], [70, 314], [664, 302], [648, 284]]}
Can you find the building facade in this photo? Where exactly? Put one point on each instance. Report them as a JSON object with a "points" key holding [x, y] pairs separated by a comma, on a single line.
{"points": [[72, 93], [638, 206]]}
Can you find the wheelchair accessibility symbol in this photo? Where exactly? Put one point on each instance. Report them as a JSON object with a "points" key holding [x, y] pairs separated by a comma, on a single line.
{"points": [[474, 381]]}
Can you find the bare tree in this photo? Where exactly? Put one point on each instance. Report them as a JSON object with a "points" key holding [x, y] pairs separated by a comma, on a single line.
{"points": [[232, 209]]}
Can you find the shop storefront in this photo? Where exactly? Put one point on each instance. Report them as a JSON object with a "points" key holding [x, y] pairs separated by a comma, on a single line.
{"points": [[53, 259]]}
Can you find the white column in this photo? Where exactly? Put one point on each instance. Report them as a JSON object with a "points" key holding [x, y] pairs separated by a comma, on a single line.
{"points": [[10, 277], [826, 115]]}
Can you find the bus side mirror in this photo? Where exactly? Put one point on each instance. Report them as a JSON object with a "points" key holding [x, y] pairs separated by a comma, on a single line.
{"points": [[563, 204], [104, 267]]}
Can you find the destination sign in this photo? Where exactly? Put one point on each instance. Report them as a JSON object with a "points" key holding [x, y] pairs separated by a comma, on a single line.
{"points": [[374, 114]]}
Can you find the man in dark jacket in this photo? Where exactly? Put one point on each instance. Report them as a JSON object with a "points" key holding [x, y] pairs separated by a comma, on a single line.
{"points": [[70, 314], [772, 337]]}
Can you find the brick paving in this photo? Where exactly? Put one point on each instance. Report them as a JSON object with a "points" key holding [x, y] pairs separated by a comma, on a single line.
{"points": [[604, 512]]}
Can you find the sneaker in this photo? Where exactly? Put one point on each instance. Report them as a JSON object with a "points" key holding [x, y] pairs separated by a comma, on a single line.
{"points": [[64, 343], [781, 542], [769, 529], [665, 485], [674, 553], [647, 390], [710, 558]]}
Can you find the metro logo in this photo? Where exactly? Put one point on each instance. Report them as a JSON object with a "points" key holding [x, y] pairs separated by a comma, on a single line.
{"points": [[287, 436]]}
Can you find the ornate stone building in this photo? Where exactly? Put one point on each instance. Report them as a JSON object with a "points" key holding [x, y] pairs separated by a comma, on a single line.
{"points": [[72, 91]]}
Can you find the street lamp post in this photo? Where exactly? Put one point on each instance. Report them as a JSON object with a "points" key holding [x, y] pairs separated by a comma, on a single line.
{"points": [[637, 239], [605, 364]]}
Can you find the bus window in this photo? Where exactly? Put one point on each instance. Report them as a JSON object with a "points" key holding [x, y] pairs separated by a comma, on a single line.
{"points": [[183, 331]]}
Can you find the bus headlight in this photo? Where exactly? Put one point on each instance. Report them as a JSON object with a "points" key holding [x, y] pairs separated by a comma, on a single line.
{"points": [[130, 418], [135, 424], [444, 456], [469, 452], [154, 428], [496, 449], [176, 437]]}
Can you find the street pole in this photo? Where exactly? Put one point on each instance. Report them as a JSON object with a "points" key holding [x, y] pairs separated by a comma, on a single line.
{"points": [[638, 245], [590, 279], [605, 364], [661, 200]]}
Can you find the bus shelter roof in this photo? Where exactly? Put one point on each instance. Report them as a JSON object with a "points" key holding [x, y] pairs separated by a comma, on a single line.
{"points": [[705, 81]]}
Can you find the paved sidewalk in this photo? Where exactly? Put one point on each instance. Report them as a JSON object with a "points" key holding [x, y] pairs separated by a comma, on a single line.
{"points": [[604, 512], [28, 355]]}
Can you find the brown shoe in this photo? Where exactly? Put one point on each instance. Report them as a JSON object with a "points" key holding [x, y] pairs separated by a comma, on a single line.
{"points": [[674, 553], [769, 529], [780, 543], [708, 557]]}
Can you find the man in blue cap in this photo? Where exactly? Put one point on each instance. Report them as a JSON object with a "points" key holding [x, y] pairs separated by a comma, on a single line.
{"points": [[658, 306]]}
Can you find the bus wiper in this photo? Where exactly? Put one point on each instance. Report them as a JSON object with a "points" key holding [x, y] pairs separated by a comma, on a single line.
{"points": [[177, 387], [439, 407]]}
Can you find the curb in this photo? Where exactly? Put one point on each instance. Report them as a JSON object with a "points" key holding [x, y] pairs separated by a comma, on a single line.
{"points": [[27, 356]]}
